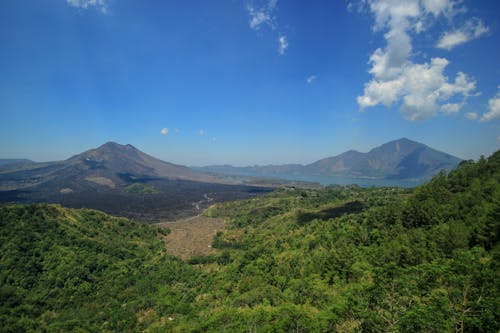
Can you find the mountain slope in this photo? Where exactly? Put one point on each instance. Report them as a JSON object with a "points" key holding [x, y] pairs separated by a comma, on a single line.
{"points": [[126, 160], [120, 180], [111, 165], [364, 260], [401, 159], [5, 161], [9, 164], [66, 270]]}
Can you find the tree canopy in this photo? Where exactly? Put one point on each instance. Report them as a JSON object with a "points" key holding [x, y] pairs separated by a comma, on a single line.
{"points": [[339, 259]]}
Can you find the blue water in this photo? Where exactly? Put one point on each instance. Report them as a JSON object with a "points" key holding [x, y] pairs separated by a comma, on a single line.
{"points": [[339, 180], [364, 182]]}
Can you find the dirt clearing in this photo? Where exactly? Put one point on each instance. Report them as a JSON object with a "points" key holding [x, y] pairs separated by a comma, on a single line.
{"points": [[192, 236]]}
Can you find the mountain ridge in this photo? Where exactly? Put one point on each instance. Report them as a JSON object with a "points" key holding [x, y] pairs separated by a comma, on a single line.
{"points": [[396, 159], [113, 164]]}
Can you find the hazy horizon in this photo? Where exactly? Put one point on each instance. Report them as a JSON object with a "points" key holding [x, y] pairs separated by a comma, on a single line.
{"points": [[248, 82], [221, 164]]}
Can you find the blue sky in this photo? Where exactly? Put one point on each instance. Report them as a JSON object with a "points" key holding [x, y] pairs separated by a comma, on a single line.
{"points": [[248, 82]]}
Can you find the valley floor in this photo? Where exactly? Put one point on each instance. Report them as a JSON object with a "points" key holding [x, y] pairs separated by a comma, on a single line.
{"points": [[192, 236]]}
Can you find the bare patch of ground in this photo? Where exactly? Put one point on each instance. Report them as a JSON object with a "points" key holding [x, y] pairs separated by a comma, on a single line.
{"points": [[192, 236], [101, 181]]}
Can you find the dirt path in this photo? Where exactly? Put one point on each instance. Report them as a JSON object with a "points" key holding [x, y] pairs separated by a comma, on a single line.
{"points": [[192, 236], [206, 199]]}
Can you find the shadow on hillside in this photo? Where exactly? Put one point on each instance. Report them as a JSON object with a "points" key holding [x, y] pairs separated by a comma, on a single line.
{"points": [[330, 213]]}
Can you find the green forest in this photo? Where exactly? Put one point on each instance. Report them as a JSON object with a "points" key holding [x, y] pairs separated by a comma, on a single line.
{"points": [[337, 259]]}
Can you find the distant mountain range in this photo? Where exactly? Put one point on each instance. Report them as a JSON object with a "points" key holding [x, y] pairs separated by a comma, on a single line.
{"points": [[114, 165], [7, 164], [401, 159], [122, 180], [16, 161]]}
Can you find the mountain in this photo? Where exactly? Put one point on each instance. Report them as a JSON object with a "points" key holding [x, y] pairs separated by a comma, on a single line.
{"points": [[7, 161], [119, 162], [7, 164], [398, 159], [120, 180], [401, 159], [110, 165], [114, 165]]}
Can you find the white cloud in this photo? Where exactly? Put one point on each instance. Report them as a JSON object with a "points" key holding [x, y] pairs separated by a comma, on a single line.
{"points": [[176, 130], [311, 78], [420, 89], [493, 108], [201, 132], [471, 115], [164, 131], [472, 29], [356, 5], [381, 92], [451, 39], [283, 44], [100, 5], [257, 18], [262, 15], [451, 107], [448, 8]]}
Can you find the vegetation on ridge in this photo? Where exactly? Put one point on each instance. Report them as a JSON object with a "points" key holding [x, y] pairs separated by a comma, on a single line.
{"points": [[140, 188], [341, 259]]}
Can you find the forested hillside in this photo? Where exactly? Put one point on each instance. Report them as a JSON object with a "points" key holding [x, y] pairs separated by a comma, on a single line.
{"points": [[65, 270], [341, 259], [427, 261]]}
